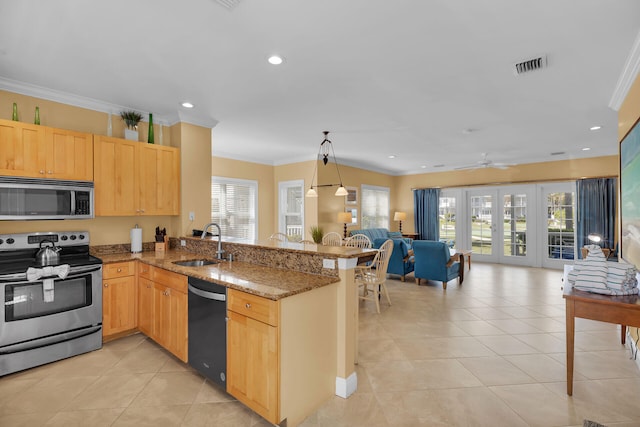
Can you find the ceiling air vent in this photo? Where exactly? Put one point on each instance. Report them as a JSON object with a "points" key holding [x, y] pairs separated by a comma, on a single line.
{"points": [[530, 65], [229, 4], [557, 153]]}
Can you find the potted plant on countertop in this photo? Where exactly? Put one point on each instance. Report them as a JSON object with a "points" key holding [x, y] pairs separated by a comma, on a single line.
{"points": [[131, 119], [316, 234]]}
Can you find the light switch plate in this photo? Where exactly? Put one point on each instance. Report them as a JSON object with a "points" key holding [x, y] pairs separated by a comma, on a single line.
{"points": [[183, 242], [192, 216], [329, 263]]}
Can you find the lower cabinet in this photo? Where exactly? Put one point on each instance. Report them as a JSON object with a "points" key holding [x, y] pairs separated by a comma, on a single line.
{"points": [[162, 312], [119, 301], [253, 355]]}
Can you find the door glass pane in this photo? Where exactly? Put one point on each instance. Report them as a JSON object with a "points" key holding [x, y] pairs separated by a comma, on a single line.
{"points": [[481, 216], [560, 226], [447, 216], [515, 224], [293, 213]]}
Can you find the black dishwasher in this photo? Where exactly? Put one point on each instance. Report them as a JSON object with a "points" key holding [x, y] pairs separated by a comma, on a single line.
{"points": [[208, 329]]}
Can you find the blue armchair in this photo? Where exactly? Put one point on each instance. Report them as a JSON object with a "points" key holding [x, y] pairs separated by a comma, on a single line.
{"points": [[433, 261], [400, 262]]}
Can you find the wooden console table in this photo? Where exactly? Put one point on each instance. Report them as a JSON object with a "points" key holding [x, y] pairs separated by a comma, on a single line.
{"points": [[623, 310]]}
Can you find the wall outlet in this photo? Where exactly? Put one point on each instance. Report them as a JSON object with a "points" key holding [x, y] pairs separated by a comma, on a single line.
{"points": [[329, 263], [183, 242], [192, 216]]}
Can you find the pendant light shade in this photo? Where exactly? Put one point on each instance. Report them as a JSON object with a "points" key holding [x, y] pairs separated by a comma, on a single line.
{"points": [[326, 150]]}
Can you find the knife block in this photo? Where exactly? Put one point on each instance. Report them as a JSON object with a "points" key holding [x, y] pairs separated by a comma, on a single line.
{"points": [[162, 247]]}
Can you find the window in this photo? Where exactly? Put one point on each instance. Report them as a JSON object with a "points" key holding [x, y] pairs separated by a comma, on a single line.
{"points": [[447, 217], [291, 210], [375, 207], [560, 225], [234, 205]]}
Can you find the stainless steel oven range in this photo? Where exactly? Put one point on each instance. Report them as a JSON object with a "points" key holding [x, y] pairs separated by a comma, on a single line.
{"points": [[51, 289]]}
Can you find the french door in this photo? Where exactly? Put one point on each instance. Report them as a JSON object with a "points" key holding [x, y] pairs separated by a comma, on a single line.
{"points": [[499, 225]]}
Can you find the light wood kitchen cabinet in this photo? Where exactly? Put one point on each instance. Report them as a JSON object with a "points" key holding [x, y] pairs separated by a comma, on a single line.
{"points": [[253, 357], [119, 302], [163, 314], [43, 152], [133, 178], [145, 306]]}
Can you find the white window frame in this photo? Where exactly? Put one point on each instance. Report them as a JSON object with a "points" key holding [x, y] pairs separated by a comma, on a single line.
{"points": [[283, 186], [364, 188], [237, 181]]}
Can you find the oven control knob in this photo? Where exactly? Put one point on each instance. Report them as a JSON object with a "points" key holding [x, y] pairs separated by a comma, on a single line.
{"points": [[81, 236], [10, 241], [72, 237], [1, 241], [63, 238]]}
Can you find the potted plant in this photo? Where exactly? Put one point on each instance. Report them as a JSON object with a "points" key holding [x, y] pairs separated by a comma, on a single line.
{"points": [[316, 234], [131, 119]]}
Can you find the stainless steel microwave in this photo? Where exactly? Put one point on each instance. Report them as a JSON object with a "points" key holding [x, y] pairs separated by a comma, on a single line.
{"points": [[31, 198]]}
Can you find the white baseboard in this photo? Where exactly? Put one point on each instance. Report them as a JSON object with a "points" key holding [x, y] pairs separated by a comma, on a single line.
{"points": [[345, 387]]}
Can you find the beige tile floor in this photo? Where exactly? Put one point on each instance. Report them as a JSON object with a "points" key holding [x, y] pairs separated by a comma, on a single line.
{"points": [[489, 353]]}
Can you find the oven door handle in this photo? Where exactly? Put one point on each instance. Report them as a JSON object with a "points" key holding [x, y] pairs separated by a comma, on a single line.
{"points": [[50, 340], [20, 278]]}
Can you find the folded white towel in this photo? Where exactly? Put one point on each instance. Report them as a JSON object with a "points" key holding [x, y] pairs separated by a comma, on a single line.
{"points": [[34, 274]]}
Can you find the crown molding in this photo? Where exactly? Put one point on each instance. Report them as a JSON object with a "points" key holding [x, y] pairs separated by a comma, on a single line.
{"points": [[628, 75], [35, 91]]}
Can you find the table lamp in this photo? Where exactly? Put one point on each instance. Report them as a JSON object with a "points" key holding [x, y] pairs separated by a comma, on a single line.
{"points": [[345, 218], [400, 216]]}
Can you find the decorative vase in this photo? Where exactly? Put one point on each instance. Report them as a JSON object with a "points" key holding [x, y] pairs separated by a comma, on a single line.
{"points": [[36, 120], [131, 135], [150, 134], [14, 116]]}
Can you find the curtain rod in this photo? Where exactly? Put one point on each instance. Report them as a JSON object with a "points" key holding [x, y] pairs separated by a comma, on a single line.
{"points": [[513, 183]]}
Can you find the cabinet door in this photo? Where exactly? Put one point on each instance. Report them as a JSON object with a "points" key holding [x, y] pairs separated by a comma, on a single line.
{"points": [[115, 177], [19, 147], [178, 325], [159, 180], [145, 307], [68, 155], [252, 364], [118, 305], [161, 314]]}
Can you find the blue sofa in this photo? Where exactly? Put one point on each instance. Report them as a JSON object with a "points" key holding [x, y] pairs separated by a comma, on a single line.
{"points": [[381, 233], [400, 263]]}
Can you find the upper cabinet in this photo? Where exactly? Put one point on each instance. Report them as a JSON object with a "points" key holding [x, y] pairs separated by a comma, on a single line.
{"points": [[134, 178], [42, 152]]}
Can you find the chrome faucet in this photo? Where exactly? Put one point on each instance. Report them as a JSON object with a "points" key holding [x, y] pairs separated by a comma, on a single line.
{"points": [[219, 252]]}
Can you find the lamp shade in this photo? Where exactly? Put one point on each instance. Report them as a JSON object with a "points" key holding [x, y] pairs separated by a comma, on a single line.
{"points": [[400, 216], [344, 217], [341, 191]]}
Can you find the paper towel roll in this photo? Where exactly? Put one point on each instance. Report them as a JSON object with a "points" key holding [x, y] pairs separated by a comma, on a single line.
{"points": [[136, 240]]}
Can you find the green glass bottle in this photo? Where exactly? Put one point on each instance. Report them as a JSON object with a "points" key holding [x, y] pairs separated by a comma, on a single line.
{"points": [[36, 120], [150, 138], [14, 116]]}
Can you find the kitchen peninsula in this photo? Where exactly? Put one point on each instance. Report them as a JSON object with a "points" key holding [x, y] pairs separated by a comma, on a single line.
{"points": [[305, 331]]}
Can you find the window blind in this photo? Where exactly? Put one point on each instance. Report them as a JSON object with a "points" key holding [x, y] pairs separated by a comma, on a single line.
{"points": [[233, 207], [375, 207]]}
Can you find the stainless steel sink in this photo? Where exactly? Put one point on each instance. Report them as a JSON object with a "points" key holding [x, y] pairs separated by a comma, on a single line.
{"points": [[195, 262]]}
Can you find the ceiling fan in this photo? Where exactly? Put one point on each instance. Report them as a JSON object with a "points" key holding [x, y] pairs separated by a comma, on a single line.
{"points": [[485, 163]]}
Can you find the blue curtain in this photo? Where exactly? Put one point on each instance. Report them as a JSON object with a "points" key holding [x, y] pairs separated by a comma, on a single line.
{"points": [[426, 202], [596, 212]]}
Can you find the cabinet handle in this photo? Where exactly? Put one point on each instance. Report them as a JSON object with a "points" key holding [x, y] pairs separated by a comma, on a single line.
{"points": [[148, 286], [247, 305], [119, 270], [49, 172], [41, 171], [106, 285]]}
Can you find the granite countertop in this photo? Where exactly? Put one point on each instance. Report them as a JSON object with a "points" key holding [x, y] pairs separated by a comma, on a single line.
{"points": [[267, 282]]}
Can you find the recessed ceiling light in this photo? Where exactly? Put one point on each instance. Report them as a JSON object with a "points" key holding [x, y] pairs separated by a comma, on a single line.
{"points": [[187, 104], [586, 149], [423, 166], [275, 60], [595, 128], [392, 156]]}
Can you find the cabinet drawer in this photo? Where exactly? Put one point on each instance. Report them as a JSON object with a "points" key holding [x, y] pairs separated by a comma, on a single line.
{"points": [[118, 269], [253, 306], [144, 270], [170, 279]]}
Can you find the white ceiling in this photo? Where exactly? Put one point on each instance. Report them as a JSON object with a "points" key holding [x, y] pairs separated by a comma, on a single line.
{"points": [[430, 81]]}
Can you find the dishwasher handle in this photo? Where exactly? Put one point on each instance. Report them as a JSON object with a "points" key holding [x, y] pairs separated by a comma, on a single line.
{"points": [[208, 295]]}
